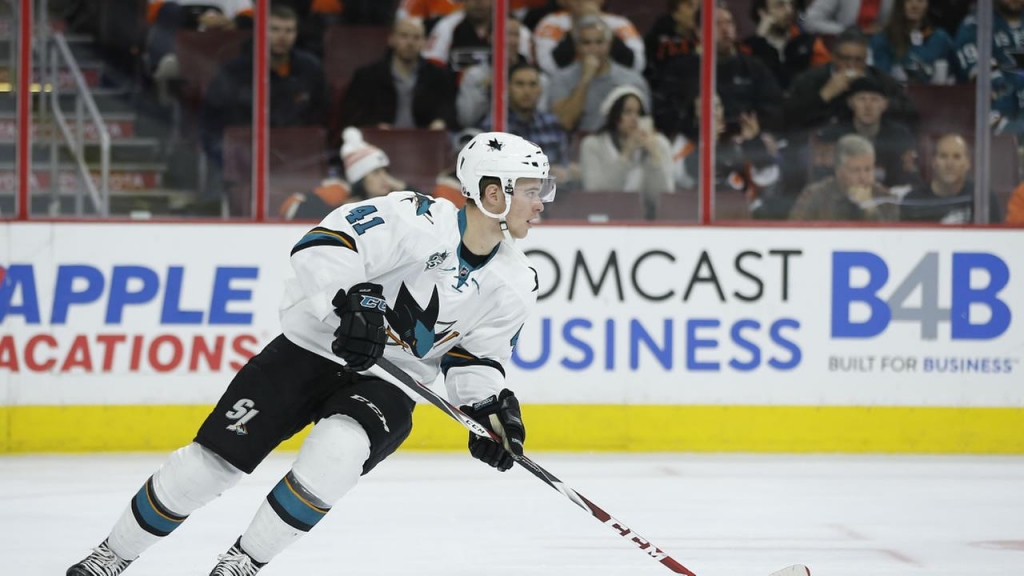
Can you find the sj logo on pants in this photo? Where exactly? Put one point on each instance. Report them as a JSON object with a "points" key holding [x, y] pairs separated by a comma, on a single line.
{"points": [[242, 412]]}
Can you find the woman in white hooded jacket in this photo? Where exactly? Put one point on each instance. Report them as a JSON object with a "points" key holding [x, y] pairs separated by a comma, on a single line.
{"points": [[627, 154]]}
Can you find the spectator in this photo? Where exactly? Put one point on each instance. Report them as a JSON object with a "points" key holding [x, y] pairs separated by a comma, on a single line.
{"points": [[1007, 93], [578, 91], [1007, 38], [167, 18], [1007, 89], [366, 171], [556, 49], [834, 16], [852, 194], [315, 16], [780, 43], [817, 95], [526, 119], [895, 146], [331, 193], [910, 50], [198, 15], [298, 90], [744, 84], [627, 154], [366, 168], [402, 90], [675, 33], [949, 197], [1015, 207], [430, 11], [533, 16], [463, 38], [474, 100], [745, 161]]}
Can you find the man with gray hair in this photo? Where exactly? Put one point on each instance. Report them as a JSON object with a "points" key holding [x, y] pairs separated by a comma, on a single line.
{"points": [[578, 90], [853, 193]]}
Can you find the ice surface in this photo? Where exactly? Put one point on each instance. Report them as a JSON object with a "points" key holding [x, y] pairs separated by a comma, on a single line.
{"points": [[449, 515]]}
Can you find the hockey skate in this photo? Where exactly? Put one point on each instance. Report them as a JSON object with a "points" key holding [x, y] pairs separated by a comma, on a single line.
{"points": [[235, 562], [102, 562]]}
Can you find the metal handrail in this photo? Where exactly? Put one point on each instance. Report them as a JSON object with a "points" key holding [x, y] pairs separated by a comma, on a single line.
{"points": [[84, 102]]}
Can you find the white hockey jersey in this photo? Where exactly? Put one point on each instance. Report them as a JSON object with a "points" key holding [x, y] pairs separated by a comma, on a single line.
{"points": [[444, 314]]}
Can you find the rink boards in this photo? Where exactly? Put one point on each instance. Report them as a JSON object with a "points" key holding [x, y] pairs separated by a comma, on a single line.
{"points": [[122, 336]]}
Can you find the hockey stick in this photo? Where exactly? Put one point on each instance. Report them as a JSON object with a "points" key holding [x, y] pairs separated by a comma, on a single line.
{"points": [[548, 478]]}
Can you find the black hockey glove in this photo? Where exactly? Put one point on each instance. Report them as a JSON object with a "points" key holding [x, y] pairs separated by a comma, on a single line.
{"points": [[501, 414], [359, 339]]}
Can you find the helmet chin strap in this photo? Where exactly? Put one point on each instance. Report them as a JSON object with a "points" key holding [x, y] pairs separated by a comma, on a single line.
{"points": [[504, 231], [502, 222]]}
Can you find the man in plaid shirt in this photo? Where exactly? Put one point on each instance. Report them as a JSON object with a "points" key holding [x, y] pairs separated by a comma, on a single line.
{"points": [[541, 127]]}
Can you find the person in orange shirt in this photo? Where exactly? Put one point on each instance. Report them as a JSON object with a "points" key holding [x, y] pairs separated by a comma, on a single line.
{"points": [[366, 171], [1015, 208], [781, 44]]}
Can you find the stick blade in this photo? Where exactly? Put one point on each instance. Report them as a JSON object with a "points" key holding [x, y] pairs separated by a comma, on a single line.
{"points": [[794, 570]]}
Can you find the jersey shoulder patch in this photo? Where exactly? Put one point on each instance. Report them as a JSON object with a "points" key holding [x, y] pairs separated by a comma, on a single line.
{"points": [[422, 211]]}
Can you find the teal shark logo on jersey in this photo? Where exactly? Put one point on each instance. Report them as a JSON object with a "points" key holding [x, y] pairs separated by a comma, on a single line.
{"points": [[415, 327], [422, 202]]}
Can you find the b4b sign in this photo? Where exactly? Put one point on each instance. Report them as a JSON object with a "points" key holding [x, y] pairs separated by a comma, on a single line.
{"points": [[976, 309]]}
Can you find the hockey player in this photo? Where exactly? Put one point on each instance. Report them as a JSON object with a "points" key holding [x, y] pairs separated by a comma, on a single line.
{"points": [[405, 276]]}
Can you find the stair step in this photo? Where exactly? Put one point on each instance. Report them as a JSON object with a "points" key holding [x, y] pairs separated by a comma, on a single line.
{"points": [[82, 48], [141, 205], [9, 30], [123, 179], [91, 73], [133, 150], [121, 126], [108, 100]]}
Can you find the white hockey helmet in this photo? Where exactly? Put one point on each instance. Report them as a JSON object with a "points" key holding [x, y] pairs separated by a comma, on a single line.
{"points": [[504, 156]]}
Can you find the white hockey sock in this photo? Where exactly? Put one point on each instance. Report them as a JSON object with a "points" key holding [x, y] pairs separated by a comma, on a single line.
{"points": [[329, 464], [190, 478]]}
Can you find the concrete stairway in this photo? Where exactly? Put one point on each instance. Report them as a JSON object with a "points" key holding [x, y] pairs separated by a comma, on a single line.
{"points": [[138, 154]]}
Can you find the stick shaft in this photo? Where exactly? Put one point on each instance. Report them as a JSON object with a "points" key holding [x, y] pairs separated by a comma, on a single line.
{"points": [[548, 478]]}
